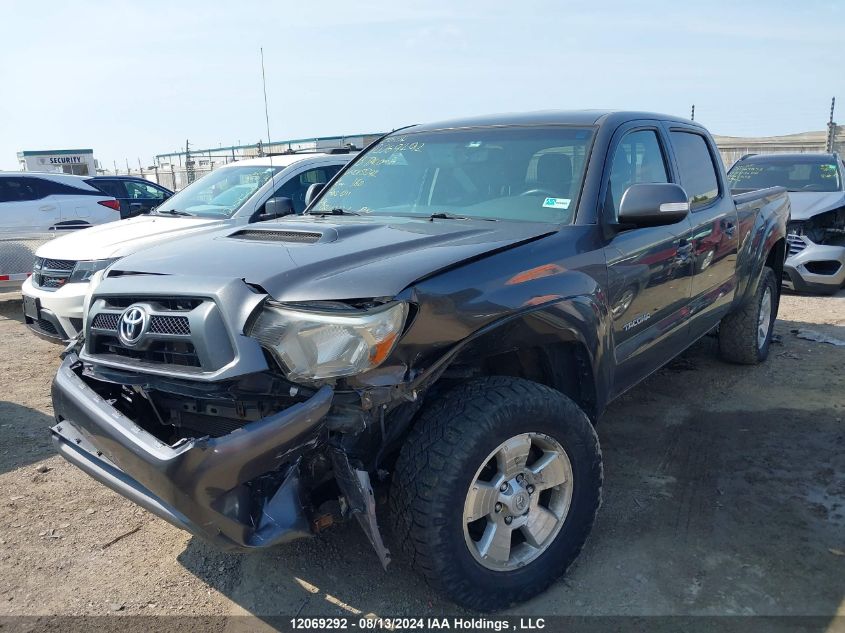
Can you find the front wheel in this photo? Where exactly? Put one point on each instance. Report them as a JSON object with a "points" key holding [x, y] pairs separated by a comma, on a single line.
{"points": [[496, 490], [745, 335]]}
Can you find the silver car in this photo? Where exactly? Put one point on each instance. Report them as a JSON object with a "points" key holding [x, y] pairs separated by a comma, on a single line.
{"points": [[816, 240]]}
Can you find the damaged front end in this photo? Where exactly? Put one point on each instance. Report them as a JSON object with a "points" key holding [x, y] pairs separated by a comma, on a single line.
{"points": [[245, 462], [816, 252]]}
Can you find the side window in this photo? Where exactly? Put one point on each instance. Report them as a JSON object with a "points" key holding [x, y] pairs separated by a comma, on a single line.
{"points": [[697, 171], [297, 187], [109, 187], [19, 189], [637, 159], [142, 191]]}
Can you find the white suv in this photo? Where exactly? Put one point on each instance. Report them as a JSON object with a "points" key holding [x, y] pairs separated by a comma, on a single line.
{"points": [[35, 208], [238, 193]]}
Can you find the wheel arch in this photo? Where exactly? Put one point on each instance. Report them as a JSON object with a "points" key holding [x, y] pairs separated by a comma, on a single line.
{"points": [[555, 346]]}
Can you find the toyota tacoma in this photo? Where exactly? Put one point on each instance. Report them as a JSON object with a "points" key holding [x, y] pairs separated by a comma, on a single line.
{"points": [[443, 327]]}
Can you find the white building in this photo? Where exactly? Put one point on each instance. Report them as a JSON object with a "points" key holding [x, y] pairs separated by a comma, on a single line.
{"points": [[79, 162]]}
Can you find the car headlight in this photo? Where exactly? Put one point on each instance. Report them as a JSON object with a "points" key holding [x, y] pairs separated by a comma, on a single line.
{"points": [[83, 271], [313, 345]]}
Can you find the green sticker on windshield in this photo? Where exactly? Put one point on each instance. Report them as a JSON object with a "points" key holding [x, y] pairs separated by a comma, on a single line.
{"points": [[556, 203]]}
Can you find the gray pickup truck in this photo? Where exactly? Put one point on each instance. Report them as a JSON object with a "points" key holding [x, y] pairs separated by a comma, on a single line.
{"points": [[446, 322]]}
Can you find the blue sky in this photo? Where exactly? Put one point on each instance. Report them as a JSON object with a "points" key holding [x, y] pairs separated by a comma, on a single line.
{"points": [[133, 79]]}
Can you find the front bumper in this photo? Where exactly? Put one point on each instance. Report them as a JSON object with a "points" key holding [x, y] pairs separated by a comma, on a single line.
{"points": [[200, 486], [800, 266], [62, 309]]}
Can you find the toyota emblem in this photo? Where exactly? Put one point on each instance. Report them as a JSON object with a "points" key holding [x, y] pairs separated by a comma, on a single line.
{"points": [[132, 325]]}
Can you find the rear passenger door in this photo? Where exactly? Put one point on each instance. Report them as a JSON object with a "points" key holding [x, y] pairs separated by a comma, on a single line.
{"points": [[714, 227], [648, 268]]}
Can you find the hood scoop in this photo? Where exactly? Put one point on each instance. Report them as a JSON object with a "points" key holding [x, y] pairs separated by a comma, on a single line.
{"points": [[287, 237]]}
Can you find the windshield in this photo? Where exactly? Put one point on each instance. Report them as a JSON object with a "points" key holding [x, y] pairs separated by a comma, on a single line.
{"points": [[220, 193], [530, 174], [811, 173]]}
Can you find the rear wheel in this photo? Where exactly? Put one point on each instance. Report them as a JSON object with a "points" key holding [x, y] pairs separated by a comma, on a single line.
{"points": [[496, 490], [745, 335]]}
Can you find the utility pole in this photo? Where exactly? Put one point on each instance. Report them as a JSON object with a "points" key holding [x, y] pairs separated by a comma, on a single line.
{"points": [[831, 127], [189, 164], [115, 167], [692, 113]]}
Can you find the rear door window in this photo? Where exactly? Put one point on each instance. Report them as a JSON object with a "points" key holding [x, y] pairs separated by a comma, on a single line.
{"points": [[696, 167], [19, 189]]}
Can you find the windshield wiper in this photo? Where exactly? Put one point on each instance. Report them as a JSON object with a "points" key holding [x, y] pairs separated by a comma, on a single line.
{"points": [[445, 215], [173, 212], [337, 211]]}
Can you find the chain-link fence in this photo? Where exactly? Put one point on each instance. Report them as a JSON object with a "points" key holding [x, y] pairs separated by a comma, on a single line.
{"points": [[173, 177]]}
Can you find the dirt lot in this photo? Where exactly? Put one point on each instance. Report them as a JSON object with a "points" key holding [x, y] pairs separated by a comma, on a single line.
{"points": [[724, 494]]}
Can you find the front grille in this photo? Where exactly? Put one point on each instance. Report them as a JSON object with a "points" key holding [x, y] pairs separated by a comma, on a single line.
{"points": [[294, 237], [180, 353], [51, 274], [176, 325], [159, 324], [105, 321], [58, 264], [796, 244]]}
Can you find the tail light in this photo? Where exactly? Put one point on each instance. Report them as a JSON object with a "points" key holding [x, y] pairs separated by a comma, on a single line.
{"points": [[112, 204]]}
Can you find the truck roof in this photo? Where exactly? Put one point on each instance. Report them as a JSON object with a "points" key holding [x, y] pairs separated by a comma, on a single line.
{"points": [[549, 117]]}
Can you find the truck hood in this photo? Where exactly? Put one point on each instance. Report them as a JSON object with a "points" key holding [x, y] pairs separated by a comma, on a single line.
{"points": [[120, 238], [347, 258], [806, 204]]}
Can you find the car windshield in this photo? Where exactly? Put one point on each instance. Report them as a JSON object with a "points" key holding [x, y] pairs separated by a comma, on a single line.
{"points": [[219, 194], [526, 173], [806, 173]]}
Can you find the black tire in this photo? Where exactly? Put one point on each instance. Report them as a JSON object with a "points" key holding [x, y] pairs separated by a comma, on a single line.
{"points": [[437, 464], [738, 331]]}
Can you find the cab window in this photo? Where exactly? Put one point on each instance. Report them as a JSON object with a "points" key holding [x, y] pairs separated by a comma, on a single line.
{"points": [[297, 187], [637, 159]]}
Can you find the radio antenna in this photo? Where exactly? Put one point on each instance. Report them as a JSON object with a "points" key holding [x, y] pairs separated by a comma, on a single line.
{"points": [[267, 119]]}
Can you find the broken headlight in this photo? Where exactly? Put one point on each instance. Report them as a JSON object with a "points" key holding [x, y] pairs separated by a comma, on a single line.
{"points": [[313, 345]]}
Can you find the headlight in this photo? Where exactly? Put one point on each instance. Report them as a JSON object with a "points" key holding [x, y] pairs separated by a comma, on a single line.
{"points": [[316, 345], [83, 271]]}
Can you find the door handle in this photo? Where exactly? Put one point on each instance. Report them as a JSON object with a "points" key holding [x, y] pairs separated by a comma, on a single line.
{"points": [[47, 207], [730, 229]]}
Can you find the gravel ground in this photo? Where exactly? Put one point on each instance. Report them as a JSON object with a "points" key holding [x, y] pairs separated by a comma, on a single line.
{"points": [[724, 494]]}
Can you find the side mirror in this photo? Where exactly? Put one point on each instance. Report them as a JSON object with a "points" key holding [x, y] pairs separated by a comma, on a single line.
{"points": [[312, 192], [135, 208], [277, 208], [653, 204]]}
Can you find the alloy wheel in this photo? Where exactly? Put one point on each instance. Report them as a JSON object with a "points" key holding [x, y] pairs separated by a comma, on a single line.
{"points": [[518, 501]]}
